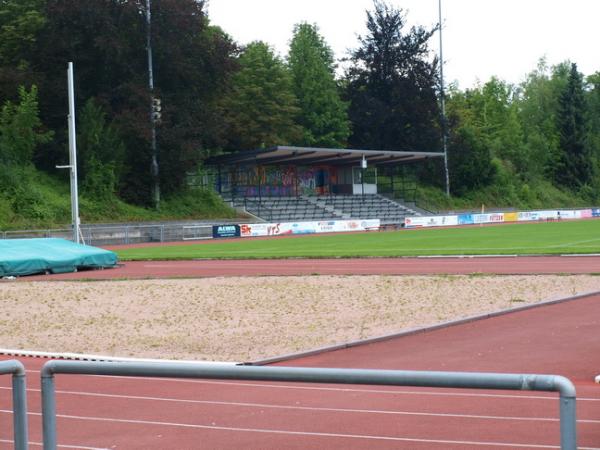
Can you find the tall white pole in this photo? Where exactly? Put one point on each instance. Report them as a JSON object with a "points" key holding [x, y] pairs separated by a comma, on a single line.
{"points": [[73, 155], [443, 105]]}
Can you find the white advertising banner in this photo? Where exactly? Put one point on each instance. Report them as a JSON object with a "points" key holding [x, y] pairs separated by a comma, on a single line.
{"points": [[323, 226], [430, 221], [488, 218], [552, 214]]}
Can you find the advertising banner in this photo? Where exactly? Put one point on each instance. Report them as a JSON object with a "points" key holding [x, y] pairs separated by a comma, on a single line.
{"points": [[511, 216], [525, 216], [488, 218], [431, 221], [329, 226], [596, 212], [465, 219], [225, 231], [551, 214]]}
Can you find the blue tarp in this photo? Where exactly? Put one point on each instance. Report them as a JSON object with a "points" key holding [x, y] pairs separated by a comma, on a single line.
{"points": [[29, 256]]}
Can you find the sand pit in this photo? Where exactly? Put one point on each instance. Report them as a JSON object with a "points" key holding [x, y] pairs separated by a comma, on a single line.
{"points": [[244, 319]]}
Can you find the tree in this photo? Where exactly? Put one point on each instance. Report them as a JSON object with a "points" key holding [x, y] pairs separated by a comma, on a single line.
{"points": [[20, 22], [573, 165], [537, 108], [392, 85], [469, 154], [261, 107], [106, 40], [593, 102], [21, 129], [101, 152], [496, 115], [323, 114]]}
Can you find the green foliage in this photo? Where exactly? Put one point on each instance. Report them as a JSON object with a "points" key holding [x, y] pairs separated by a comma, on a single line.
{"points": [[573, 166], [34, 201], [20, 21], [262, 108], [323, 114], [196, 203], [41, 201], [538, 102], [101, 152], [470, 164], [593, 107], [20, 129], [392, 85], [107, 41]]}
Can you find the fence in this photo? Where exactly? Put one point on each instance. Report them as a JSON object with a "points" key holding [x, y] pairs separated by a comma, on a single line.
{"points": [[19, 401], [312, 375], [121, 234]]}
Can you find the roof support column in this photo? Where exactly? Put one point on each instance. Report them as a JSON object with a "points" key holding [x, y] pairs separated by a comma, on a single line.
{"points": [[296, 180]]}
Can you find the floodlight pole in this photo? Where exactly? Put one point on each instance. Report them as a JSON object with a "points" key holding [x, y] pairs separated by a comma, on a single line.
{"points": [[154, 163], [443, 106], [72, 156]]}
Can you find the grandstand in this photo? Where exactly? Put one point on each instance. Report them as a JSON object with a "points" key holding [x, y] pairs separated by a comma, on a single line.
{"points": [[299, 183]]}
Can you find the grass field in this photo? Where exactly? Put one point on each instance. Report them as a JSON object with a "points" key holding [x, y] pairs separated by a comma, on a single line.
{"points": [[547, 238]]}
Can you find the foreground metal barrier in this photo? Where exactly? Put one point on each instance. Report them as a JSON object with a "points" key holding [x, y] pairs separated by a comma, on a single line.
{"points": [[19, 401], [312, 375]]}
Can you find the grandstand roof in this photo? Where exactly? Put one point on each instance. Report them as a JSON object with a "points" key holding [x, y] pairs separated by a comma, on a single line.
{"points": [[316, 156]]}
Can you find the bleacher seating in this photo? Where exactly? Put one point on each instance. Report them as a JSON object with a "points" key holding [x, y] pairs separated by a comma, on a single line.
{"points": [[369, 206], [285, 209]]}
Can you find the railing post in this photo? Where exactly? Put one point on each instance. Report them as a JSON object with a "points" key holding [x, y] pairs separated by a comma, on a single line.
{"points": [[568, 424], [19, 398], [48, 409], [568, 416], [20, 411]]}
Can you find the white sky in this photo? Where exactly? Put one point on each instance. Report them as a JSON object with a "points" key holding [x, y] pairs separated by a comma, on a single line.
{"points": [[482, 38]]}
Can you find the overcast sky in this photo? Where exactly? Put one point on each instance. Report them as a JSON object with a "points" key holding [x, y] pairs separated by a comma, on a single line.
{"points": [[482, 38]]}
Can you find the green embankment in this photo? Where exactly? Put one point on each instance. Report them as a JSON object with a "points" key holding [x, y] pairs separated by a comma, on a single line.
{"points": [[533, 238], [39, 201]]}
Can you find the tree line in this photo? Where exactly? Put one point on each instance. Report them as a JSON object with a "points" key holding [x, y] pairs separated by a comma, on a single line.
{"points": [[218, 95]]}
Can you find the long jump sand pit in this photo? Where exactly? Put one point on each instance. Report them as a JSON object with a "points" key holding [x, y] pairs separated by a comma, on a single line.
{"points": [[244, 319]]}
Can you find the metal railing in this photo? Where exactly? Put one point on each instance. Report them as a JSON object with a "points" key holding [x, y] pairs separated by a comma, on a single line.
{"points": [[19, 401], [120, 234], [470, 380]]}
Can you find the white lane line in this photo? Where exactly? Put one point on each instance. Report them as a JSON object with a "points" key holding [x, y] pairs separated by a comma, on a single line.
{"points": [[312, 408], [39, 444], [550, 396], [305, 433]]}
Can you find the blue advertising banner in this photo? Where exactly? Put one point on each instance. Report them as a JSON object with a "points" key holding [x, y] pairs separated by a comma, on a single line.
{"points": [[225, 231], [465, 219], [596, 212]]}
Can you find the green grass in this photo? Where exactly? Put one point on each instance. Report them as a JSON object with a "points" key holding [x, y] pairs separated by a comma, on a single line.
{"points": [[531, 239], [32, 199]]}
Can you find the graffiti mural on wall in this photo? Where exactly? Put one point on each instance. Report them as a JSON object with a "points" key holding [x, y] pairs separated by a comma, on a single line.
{"points": [[281, 181]]}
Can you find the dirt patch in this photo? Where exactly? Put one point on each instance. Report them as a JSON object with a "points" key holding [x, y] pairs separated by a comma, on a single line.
{"points": [[241, 319]]}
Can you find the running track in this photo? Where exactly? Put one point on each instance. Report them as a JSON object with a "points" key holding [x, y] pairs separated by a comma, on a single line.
{"points": [[112, 412], [364, 266]]}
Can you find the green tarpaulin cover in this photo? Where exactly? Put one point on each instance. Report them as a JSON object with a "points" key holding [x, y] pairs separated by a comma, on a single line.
{"points": [[29, 256]]}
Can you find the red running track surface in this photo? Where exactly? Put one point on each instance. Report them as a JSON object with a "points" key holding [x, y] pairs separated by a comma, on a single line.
{"points": [[367, 266]]}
